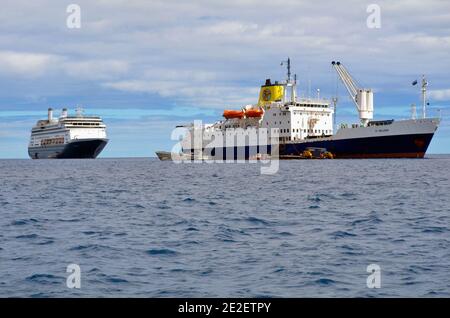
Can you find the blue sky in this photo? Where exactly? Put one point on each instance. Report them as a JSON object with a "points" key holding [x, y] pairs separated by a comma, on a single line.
{"points": [[147, 66]]}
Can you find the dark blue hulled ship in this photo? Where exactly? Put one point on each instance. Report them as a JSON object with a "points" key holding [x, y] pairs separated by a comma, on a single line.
{"points": [[281, 124]]}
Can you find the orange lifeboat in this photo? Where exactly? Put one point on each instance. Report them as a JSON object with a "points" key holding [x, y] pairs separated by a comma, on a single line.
{"points": [[254, 113], [233, 114]]}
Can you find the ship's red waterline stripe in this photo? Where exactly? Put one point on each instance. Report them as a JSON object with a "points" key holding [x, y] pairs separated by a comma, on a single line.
{"points": [[381, 155]]}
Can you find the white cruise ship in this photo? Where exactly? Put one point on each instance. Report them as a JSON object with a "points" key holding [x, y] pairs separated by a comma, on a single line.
{"points": [[76, 136]]}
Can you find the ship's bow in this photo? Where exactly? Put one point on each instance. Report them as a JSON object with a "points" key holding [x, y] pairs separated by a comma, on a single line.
{"points": [[86, 148]]}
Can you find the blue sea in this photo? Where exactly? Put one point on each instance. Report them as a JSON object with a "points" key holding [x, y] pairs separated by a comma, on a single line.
{"points": [[145, 228]]}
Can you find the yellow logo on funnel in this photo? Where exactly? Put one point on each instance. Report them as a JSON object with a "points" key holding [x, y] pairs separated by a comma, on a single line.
{"points": [[266, 94], [270, 94]]}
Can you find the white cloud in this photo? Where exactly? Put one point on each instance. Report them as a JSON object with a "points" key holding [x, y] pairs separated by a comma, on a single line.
{"points": [[92, 69], [191, 93], [26, 64], [440, 94], [131, 86], [231, 28], [34, 65]]}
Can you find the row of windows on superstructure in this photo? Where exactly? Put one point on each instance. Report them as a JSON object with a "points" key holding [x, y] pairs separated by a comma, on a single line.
{"points": [[267, 123], [52, 141], [83, 124], [315, 131], [288, 138], [294, 130], [287, 131], [313, 105], [301, 114]]}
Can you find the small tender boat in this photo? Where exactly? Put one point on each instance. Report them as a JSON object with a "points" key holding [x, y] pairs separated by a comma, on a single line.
{"points": [[164, 155]]}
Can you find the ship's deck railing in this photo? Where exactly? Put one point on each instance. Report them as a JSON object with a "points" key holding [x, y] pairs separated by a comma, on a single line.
{"points": [[93, 117], [370, 124], [318, 138], [380, 122], [313, 101], [349, 126]]}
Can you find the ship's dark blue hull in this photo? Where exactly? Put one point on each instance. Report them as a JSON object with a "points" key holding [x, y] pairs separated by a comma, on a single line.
{"points": [[398, 146], [394, 146], [87, 149]]}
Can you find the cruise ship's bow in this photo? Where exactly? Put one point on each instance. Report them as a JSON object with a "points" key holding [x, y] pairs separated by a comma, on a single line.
{"points": [[88, 148]]}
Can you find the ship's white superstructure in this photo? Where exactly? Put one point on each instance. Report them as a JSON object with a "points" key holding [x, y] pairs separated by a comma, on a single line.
{"points": [[305, 118]]}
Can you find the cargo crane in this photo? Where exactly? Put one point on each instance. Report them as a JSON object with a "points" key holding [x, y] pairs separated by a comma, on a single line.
{"points": [[362, 97]]}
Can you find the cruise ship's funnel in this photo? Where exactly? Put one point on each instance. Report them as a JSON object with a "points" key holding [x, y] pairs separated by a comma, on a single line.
{"points": [[50, 115]]}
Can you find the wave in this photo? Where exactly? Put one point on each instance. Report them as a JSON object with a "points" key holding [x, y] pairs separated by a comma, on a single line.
{"points": [[162, 252]]}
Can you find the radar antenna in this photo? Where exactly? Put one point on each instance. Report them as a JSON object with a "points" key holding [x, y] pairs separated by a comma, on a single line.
{"points": [[79, 111], [288, 65]]}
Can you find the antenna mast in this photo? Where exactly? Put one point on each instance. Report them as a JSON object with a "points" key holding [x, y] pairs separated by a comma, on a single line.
{"points": [[79, 111], [289, 83], [289, 69], [424, 96], [413, 111]]}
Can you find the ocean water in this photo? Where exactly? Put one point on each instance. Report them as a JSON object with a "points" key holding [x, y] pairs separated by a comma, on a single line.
{"points": [[144, 228]]}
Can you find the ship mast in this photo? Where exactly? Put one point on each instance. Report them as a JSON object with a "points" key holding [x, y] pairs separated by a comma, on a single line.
{"points": [[289, 82], [424, 96]]}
